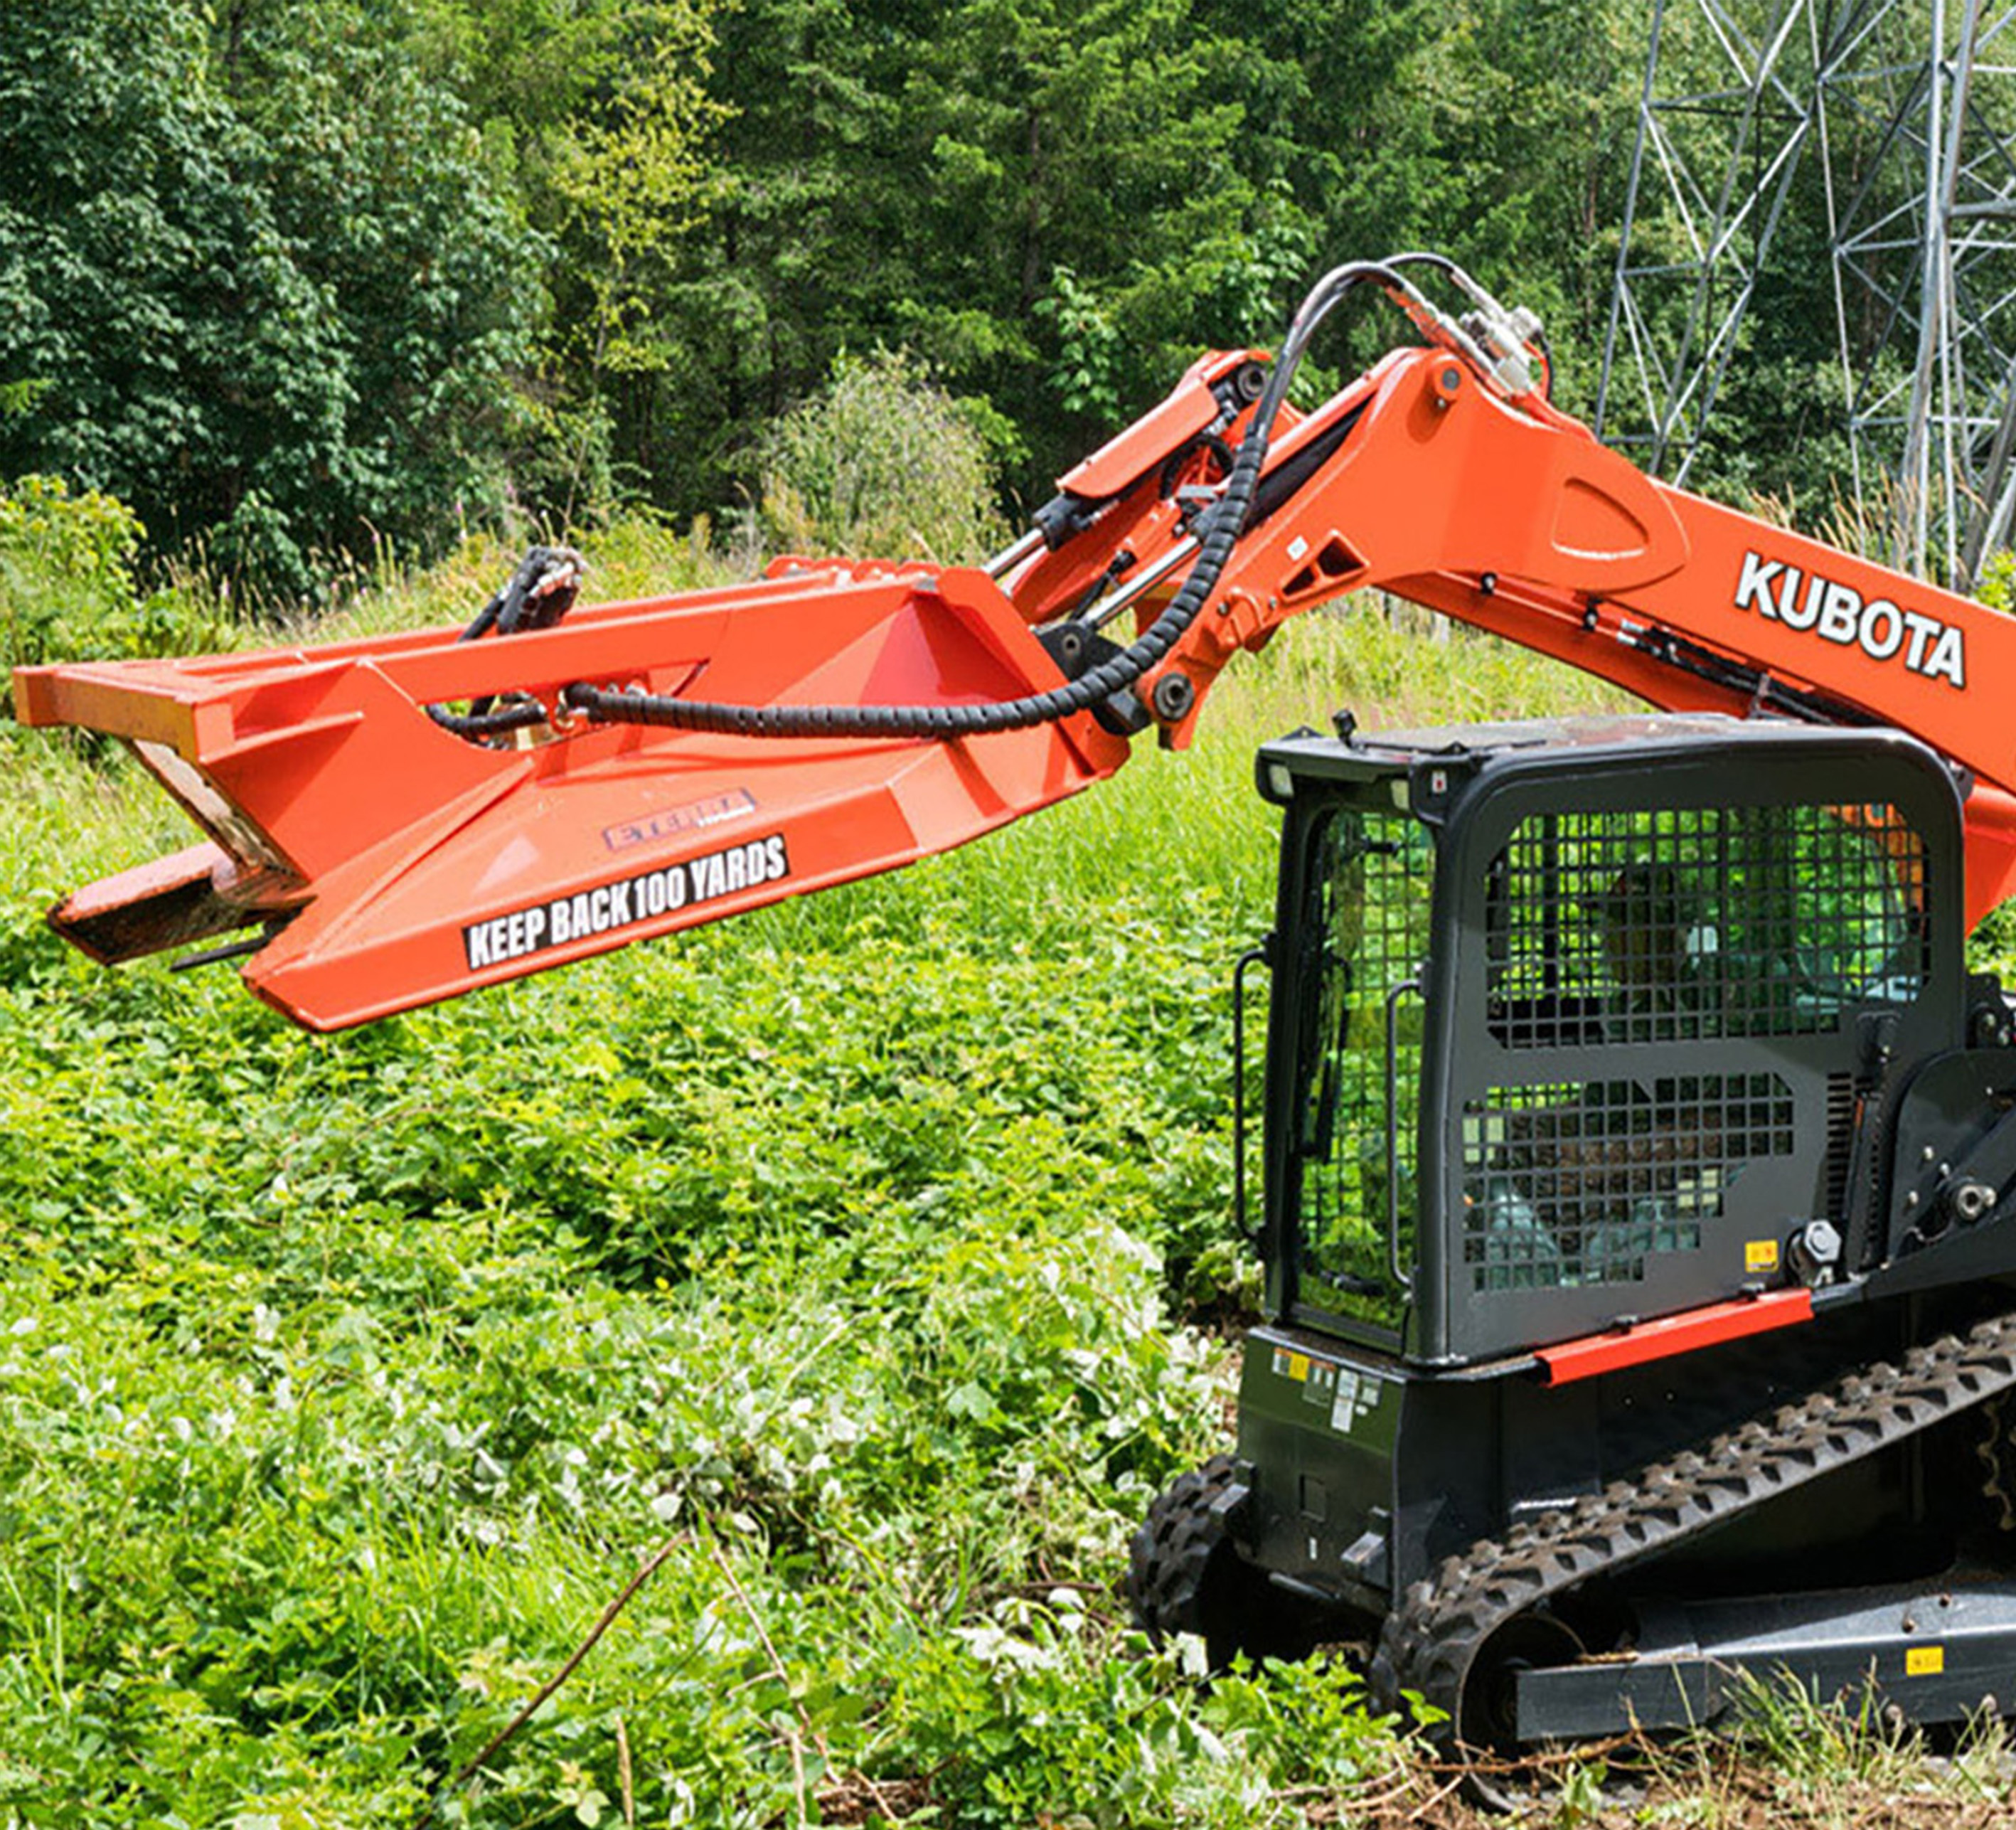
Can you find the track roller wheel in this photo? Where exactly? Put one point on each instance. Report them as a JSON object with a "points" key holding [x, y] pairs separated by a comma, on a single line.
{"points": [[1532, 1642], [1476, 1685]]}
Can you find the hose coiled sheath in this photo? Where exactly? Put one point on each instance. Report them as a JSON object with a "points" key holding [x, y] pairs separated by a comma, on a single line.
{"points": [[1225, 521]]}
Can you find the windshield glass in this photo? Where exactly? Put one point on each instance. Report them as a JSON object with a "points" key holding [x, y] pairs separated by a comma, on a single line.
{"points": [[1365, 939], [1646, 924], [1587, 1159]]}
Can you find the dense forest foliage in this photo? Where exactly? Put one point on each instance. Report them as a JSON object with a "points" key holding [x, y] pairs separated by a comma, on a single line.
{"points": [[291, 281]]}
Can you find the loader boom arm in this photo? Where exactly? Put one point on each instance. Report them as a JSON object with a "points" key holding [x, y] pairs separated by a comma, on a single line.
{"points": [[390, 852], [1508, 515]]}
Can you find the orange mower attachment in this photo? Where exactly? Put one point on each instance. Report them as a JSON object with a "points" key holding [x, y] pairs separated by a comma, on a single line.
{"points": [[392, 849], [391, 860]]}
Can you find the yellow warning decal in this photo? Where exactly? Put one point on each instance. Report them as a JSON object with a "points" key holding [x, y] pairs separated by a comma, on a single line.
{"points": [[1298, 1367], [1760, 1255], [1924, 1661]]}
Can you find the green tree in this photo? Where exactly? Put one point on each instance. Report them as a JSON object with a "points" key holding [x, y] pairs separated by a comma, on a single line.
{"points": [[631, 182], [270, 296], [805, 252], [1080, 169], [602, 118]]}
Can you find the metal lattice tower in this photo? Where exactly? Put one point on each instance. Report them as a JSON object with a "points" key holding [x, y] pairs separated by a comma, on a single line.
{"points": [[1879, 133]]}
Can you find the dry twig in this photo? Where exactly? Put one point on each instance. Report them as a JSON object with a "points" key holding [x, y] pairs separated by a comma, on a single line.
{"points": [[503, 1737]]}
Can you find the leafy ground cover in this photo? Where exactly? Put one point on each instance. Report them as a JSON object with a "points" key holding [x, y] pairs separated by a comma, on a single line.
{"points": [[856, 1251]]}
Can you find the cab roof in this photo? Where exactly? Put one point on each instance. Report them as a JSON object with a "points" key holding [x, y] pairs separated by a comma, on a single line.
{"points": [[1359, 756]]}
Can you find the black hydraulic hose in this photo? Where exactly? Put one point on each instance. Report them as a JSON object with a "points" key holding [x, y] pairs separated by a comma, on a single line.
{"points": [[491, 723], [519, 604], [1224, 524]]}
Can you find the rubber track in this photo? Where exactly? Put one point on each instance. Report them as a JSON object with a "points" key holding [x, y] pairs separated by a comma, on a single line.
{"points": [[1167, 1556], [1430, 1642]]}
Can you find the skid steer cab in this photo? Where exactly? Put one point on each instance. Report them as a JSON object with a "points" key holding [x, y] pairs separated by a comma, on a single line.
{"points": [[1624, 1084]]}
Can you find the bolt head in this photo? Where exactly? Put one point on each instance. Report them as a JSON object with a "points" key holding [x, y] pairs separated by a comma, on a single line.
{"points": [[1174, 696]]}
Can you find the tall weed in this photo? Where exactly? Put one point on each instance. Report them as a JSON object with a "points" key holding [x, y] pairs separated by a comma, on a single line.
{"points": [[68, 585], [343, 1379], [883, 464]]}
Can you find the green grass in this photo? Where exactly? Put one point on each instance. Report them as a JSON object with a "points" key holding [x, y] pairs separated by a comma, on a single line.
{"points": [[343, 1380]]}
